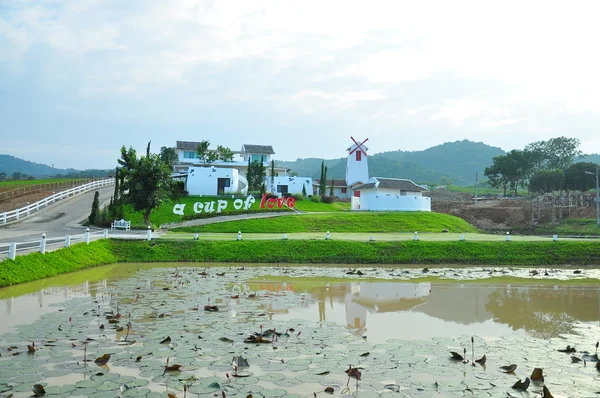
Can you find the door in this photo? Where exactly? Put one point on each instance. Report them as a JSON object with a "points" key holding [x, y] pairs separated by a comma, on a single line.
{"points": [[222, 183]]}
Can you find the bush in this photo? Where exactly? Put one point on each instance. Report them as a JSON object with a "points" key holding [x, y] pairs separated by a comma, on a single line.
{"points": [[298, 197], [315, 198], [327, 199]]}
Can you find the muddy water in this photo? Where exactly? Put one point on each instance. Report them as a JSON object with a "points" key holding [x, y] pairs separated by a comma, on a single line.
{"points": [[406, 329]]}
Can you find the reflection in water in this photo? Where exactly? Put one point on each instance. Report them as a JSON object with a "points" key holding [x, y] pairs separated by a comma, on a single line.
{"points": [[387, 309], [425, 310]]}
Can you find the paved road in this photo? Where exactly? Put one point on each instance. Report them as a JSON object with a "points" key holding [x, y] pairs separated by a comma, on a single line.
{"points": [[57, 220]]}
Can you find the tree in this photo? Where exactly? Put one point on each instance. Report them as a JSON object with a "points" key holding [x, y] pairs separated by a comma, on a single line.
{"points": [[94, 214], [576, 177], [510, 170], [147, 180], [304, 190], [224, 153], [168, 155], [446, 181], [556, 153], [547, 181], [18, 176], [272, 175], [205, 155], [323, 180], [249, 175], [331, 188], [3, 176]]}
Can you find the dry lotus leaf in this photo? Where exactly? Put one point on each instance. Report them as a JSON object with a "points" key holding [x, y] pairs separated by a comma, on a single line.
{"points": [[166, 340], [38, 390], [103, 360], [329, 390], [456, 356], [508, 368], [481, 360], [546, 393], [537, 374], [522, 385]]}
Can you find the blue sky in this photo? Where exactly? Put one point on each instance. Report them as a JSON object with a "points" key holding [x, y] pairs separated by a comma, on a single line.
{"points": [[80, 78]]}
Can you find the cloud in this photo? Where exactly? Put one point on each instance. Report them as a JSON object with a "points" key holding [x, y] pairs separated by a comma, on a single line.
{"points": [[440, 70]]}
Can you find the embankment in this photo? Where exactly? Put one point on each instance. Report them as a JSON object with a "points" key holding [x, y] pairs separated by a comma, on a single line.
{"points": [[37, 266]]}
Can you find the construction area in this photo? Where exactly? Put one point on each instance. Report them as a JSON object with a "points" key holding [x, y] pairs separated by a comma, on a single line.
{"points": [[522, 213]]}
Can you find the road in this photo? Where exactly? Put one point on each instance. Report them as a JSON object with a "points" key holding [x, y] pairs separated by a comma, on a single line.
{"points": [[57, 220]]}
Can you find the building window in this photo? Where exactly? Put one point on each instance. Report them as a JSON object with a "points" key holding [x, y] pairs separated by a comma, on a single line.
{"points": [[358, 156], [344, 190], [190, 155], [282, 189], [257, 158]]}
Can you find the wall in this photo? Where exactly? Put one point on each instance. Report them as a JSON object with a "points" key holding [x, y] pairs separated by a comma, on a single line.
{"points": [[294, 184], [356, 171], [375, 200], [203, 180]]}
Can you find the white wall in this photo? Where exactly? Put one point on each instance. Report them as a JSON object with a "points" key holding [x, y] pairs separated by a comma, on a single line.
{"points": [[374, 200], [203, 181], [294, 184]]}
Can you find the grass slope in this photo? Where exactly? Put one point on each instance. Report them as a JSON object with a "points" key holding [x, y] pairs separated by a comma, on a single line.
{"points": [[37, 266], [325, 252], [343, 222], [572, 227], [310, 206]]}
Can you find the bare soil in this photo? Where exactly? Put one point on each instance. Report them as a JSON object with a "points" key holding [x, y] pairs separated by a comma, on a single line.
{"points": [[22, 201], [500, 215]]}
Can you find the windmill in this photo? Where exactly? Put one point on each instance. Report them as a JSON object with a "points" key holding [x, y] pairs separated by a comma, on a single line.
{"points": [[357, 168]]}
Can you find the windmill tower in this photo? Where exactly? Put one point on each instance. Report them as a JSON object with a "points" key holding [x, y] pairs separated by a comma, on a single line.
{"points": [[357, 167]]}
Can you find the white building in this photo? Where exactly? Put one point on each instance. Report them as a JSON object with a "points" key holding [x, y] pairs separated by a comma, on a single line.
{"points": [[390, 194], [229, 177]]}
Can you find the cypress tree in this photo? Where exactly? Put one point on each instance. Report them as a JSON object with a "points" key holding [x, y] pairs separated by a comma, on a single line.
{"points": [[304, 190], [93, 218], [249, 176], [331, 189]]}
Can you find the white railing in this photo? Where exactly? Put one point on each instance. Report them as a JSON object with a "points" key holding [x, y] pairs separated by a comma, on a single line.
{"points": [[10, 250], [19, 214]]}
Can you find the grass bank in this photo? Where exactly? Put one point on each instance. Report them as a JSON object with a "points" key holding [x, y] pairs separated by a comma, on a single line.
{"points": [[164, 213], [342, 222], [37, 266], [571, 227]]}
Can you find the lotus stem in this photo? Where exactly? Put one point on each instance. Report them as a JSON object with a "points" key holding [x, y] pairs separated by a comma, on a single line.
{"points": [[472, 349]]}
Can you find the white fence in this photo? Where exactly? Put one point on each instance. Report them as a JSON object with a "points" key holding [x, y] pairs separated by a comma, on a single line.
{"points": [[19, 214], [10, 250]]}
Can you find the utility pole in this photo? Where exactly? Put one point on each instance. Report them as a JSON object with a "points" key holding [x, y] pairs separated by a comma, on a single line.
{"points": [[597, 196], [476, 184]]}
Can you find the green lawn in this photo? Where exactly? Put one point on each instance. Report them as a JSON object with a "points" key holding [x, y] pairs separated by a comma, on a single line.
{"points": [[308, 205], [342, 222], [572, 227], [164, 213], [8, 185]]}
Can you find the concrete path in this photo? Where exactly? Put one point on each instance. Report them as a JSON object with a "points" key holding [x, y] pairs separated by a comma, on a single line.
{"points": [[57, 220]]}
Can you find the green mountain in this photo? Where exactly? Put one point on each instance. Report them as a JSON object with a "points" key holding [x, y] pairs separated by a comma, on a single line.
{"points": [[10, 164], [458, 160]]}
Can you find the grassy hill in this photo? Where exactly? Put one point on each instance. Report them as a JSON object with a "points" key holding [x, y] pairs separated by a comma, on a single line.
{"points": [[10, 164], [458, 160], [342, 222]]}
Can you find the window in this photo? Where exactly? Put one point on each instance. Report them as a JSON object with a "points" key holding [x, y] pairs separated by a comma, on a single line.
{"points": [[190, 155], [282, 189], [344, 190], [258, 158], [358, 156]]}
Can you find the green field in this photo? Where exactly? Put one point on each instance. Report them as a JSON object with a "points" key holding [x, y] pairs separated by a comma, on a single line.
{"points": [[342, 222], [9, 185], [572, 227], [164, 213]]}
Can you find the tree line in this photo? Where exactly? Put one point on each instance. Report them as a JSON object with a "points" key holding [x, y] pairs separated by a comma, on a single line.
{"points": [[542, 166]]}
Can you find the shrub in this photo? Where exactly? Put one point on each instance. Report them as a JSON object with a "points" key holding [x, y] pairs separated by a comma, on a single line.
{"points": [[298, 196], [315, 198], [327, 199]]}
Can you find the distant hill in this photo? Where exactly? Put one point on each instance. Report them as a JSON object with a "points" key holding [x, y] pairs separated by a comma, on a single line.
{"points": [[10, 164], [458, 160]]}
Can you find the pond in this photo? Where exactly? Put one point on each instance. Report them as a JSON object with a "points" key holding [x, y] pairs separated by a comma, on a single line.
{"points": [[299, 329]]}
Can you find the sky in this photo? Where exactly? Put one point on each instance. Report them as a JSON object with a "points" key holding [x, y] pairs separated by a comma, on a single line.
{"points": [[81, 78]]}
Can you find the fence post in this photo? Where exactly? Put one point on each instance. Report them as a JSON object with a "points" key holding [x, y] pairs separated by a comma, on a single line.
{"points": [[508, 236], [27, 209], [12, 251], [195, 236], [4, 218], [106, 234], [327, 236], [43, 244], [239, 237], [17, 214], [416, 236], [87, 236], [149, 233], [68, 241], [37, 206]]}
